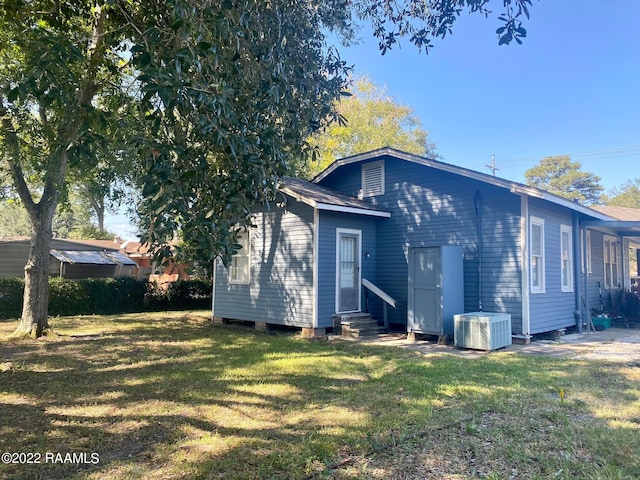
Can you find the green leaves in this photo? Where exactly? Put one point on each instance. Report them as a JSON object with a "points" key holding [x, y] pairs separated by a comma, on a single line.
{"points": [[232, 97], [206, 105], [563, 177], [365, 120], [421, 22]]}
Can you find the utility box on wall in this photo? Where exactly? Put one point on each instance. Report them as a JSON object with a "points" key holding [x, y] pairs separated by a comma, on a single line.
{"points": [[482, 330], [436, 289]]}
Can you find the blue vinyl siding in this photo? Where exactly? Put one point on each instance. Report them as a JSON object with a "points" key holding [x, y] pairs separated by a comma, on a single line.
{"points": [[431, 207], [597, 272], [329, 223], [554, 308], [602, 295], [281, 286]]}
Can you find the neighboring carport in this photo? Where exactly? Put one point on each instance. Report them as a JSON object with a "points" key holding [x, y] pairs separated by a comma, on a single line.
{"points": [[76, 264]]}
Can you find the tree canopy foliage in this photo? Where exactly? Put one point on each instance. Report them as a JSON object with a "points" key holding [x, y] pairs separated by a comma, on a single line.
{"points": [[627, 195], [369, 119], [14, 221], [216, 97], [562, 176]]}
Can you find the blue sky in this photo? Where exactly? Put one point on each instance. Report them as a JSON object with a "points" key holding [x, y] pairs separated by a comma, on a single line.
{"points": [[572, 87]]}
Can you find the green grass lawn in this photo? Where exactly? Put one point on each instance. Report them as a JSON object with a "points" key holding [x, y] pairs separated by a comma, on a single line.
{"points": [[171, 396]]}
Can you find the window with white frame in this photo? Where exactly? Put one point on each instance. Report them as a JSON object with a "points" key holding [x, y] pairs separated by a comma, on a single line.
{"points": [[566, 254], [240, 268], [586, 252], [610, 262], [373, 179], [536, 254]]}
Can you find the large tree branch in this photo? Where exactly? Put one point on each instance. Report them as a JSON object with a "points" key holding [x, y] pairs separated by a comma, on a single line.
{"points": [[13, 159], [96, 54]]}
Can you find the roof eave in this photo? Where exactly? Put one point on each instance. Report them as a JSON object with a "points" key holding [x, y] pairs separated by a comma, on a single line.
{"points": [[513, 187], [357, 211], [330, 207]]}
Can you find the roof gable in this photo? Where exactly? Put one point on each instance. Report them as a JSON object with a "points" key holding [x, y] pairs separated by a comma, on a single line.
{"points": [[513, 187]]}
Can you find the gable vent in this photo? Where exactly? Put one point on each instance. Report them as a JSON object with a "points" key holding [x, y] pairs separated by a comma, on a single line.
{"points": [[373, 179]]}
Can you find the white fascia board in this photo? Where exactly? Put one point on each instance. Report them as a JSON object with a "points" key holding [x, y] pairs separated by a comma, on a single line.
{"points": [[316, 258], [358, 211], [297, 197]]}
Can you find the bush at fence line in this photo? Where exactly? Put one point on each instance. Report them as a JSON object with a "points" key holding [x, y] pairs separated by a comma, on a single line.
{"points": [[115, 295], [190, 294], [107, 296], [11, 293], [68, 297]]}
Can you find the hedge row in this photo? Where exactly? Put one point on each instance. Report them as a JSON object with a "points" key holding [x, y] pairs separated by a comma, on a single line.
{"points": [[105, 296]]}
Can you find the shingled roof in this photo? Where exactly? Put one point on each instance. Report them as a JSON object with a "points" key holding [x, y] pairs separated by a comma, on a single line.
{"points": [[326, 199]]}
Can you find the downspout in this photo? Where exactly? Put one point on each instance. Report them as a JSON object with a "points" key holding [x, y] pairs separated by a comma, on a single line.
{"points": [[315, 264], [587, 253], [476, 203], [577, 288], [526, 272], [213, 293]]}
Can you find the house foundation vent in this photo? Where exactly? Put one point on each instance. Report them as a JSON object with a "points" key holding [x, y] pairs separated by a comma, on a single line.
{"points": [[482, 330]]}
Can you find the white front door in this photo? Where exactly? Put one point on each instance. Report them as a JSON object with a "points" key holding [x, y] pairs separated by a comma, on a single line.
{"points": [[348, 243]]}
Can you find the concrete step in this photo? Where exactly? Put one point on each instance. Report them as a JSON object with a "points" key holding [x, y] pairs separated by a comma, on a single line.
{"points": [[356, 325], [351, 317], [364, 331]]}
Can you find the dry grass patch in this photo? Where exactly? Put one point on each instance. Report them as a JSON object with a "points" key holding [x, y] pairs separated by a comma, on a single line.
{"points": [[170, 396]]}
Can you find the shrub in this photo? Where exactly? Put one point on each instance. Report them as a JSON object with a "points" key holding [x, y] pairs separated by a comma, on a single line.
{"points": [[189, 294], [114, 295], [105, 296], [180, 295], [11, 293], [67, 297]]}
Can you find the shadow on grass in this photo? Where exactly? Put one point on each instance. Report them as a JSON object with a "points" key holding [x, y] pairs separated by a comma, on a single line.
{"points": [[185, 399]]}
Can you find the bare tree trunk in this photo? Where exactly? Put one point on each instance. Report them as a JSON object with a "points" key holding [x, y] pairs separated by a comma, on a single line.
{"points": [[34, 321], [98, 206]]}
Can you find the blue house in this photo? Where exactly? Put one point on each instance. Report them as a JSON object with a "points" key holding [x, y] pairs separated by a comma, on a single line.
{"points": [[362, 235]]}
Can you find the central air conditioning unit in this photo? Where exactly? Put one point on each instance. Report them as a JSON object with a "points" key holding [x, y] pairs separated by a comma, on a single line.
{"points": [[482, 330]]}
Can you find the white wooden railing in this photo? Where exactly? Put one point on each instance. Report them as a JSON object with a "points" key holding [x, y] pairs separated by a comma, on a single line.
{"points": [[386, 298]]}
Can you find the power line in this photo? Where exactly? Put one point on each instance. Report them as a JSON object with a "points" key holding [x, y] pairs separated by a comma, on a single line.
{"points": [[594, 154], [629, 151]]}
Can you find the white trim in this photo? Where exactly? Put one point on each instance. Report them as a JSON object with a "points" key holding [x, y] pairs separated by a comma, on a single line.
{"points": [[248, 255], [586, 235], [533, 288], [213, 293], [613, 241], [569, 231], [358, 233], [333, 208], [316, 254], [589, 253], [359, 211], [585, 251], [526, 305], [381, 293]]}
